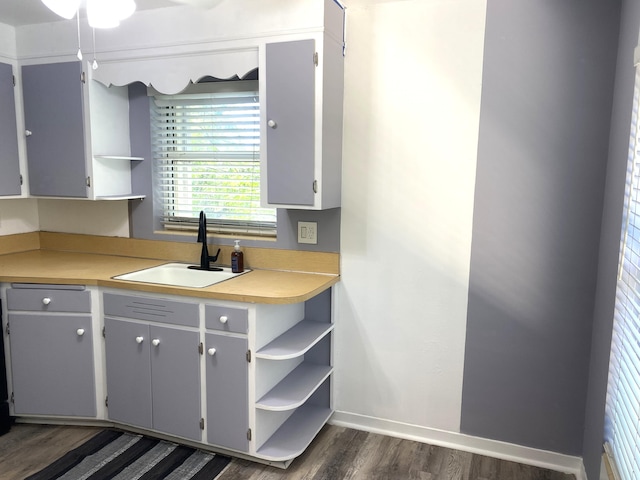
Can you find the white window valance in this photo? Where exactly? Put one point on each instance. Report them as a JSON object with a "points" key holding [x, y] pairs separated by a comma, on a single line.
{"points": [[173, 73]]}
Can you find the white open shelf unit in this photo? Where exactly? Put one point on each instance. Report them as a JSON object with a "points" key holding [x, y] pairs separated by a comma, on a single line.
{"points": [[294, 380]]}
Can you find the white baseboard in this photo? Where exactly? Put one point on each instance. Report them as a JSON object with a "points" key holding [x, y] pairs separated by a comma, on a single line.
{"points": [[467, 443]]}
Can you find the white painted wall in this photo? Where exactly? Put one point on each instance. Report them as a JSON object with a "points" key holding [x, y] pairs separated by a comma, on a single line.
{"points": [[18, 216], [412, 105], [110, 218]]}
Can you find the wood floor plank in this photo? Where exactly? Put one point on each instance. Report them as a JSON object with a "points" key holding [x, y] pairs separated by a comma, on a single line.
{"points": [[337, 453]]}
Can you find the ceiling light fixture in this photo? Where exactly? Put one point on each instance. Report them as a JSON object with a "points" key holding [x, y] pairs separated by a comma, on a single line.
{"points": [[100, 13]]}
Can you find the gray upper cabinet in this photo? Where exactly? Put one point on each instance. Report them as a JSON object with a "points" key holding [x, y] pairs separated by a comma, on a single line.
{"points": [[303, 85], [77, 130], [10, 183], [54, 126]]}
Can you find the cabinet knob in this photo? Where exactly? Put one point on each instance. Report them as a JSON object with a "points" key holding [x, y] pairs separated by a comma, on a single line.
{"points": [[28, 133], [139, 339], [211, 351], [46, 301], [155, 342], [272, 124], [223, 319], [80, 332]]}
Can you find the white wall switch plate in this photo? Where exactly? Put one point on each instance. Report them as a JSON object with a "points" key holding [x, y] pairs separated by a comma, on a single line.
{"points": [[308, 232]]}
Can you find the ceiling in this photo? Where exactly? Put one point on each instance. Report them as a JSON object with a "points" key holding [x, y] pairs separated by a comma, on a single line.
{"points": [[26, 12]]}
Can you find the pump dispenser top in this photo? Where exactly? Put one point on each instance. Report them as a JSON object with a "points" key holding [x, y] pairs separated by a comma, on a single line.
{"points": [[237, 258]]}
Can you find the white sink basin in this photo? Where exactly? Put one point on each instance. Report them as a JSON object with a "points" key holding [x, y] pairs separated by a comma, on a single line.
{"points": [[179, 275]]}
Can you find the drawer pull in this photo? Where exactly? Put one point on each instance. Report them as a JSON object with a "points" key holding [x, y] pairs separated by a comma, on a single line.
{"points": [[223, 319], [139, 339], [80, 332], [155, 342], [46, 301], [211, 351]]}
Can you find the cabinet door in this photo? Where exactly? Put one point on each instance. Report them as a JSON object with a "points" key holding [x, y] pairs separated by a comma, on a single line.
{"points": [[9, 161], [127, 346], [227, 391], [52, 364], [53, 112], [290, 103], [175, 380]]}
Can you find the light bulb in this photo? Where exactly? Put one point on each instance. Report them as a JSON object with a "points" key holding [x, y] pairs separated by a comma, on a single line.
{"points": [[65, 8]]}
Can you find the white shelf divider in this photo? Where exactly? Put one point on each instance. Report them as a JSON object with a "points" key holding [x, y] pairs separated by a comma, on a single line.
{"points": [[296, 341], [295, 435], [295, 388]]}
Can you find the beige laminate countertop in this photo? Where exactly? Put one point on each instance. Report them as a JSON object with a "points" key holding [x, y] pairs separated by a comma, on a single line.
{"points": [[68, 268]]}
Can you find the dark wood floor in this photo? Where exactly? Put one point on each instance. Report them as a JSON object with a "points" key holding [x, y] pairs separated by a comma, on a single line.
{"points": [[337, 453]]}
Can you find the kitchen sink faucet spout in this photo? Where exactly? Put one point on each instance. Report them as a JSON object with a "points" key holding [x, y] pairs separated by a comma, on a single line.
{"points": [[205, 258]]}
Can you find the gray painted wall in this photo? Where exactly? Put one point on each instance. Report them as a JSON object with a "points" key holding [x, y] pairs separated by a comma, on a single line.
{"points": [[610, 238], [142, 220], [544, 126]]}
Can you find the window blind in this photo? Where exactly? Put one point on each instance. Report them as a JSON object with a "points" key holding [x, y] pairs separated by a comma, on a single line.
{"points": [[206, 149], [622, 416]]}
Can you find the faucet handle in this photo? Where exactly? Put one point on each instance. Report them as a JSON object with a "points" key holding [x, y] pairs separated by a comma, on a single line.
{"points": [[214, 258]]}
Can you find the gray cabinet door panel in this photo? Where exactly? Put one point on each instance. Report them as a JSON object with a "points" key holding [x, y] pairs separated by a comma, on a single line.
{"points": [[128, 372], [175, 380], [52, 365], [227, 392], [9, 161], [53, 112], [290, 74]]}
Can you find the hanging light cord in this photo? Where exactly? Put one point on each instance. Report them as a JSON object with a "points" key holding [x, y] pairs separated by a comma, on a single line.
{"points": [[94, 65], [78, 23]]}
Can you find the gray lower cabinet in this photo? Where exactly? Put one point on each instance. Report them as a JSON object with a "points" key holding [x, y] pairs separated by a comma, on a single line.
{"points": [[10, 182], [153, 377], [227, 391], [52, 367]]}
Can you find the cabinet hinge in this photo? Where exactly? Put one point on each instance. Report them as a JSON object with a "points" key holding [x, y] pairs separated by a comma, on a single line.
{"points": [[106, 401], [88, 181], [12, 400], [249, 356], [200, 348], [315, 186], [14, 80], [21, 180], [249, 434], [315, 59], [8, 330], [104, 332], [83, 78], [202, 424]]}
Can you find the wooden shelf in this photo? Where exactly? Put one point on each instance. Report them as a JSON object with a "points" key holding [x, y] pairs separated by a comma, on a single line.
{"points": [[296, 341], [295, 388], [295, 435]]}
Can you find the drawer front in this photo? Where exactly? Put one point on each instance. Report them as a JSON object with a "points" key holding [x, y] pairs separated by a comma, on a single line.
{"points": [[154, 309], [48, 300], [226, 319]]}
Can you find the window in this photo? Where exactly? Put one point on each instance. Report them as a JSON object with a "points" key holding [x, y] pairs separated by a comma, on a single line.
{"points": [[206, 149], [622, 421]]}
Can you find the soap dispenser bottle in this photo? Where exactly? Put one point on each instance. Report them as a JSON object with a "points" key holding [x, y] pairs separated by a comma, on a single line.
{"points": [[237, 260]]}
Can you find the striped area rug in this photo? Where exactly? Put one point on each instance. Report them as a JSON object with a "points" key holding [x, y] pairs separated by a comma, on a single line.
{"points": [[124, 456]]}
